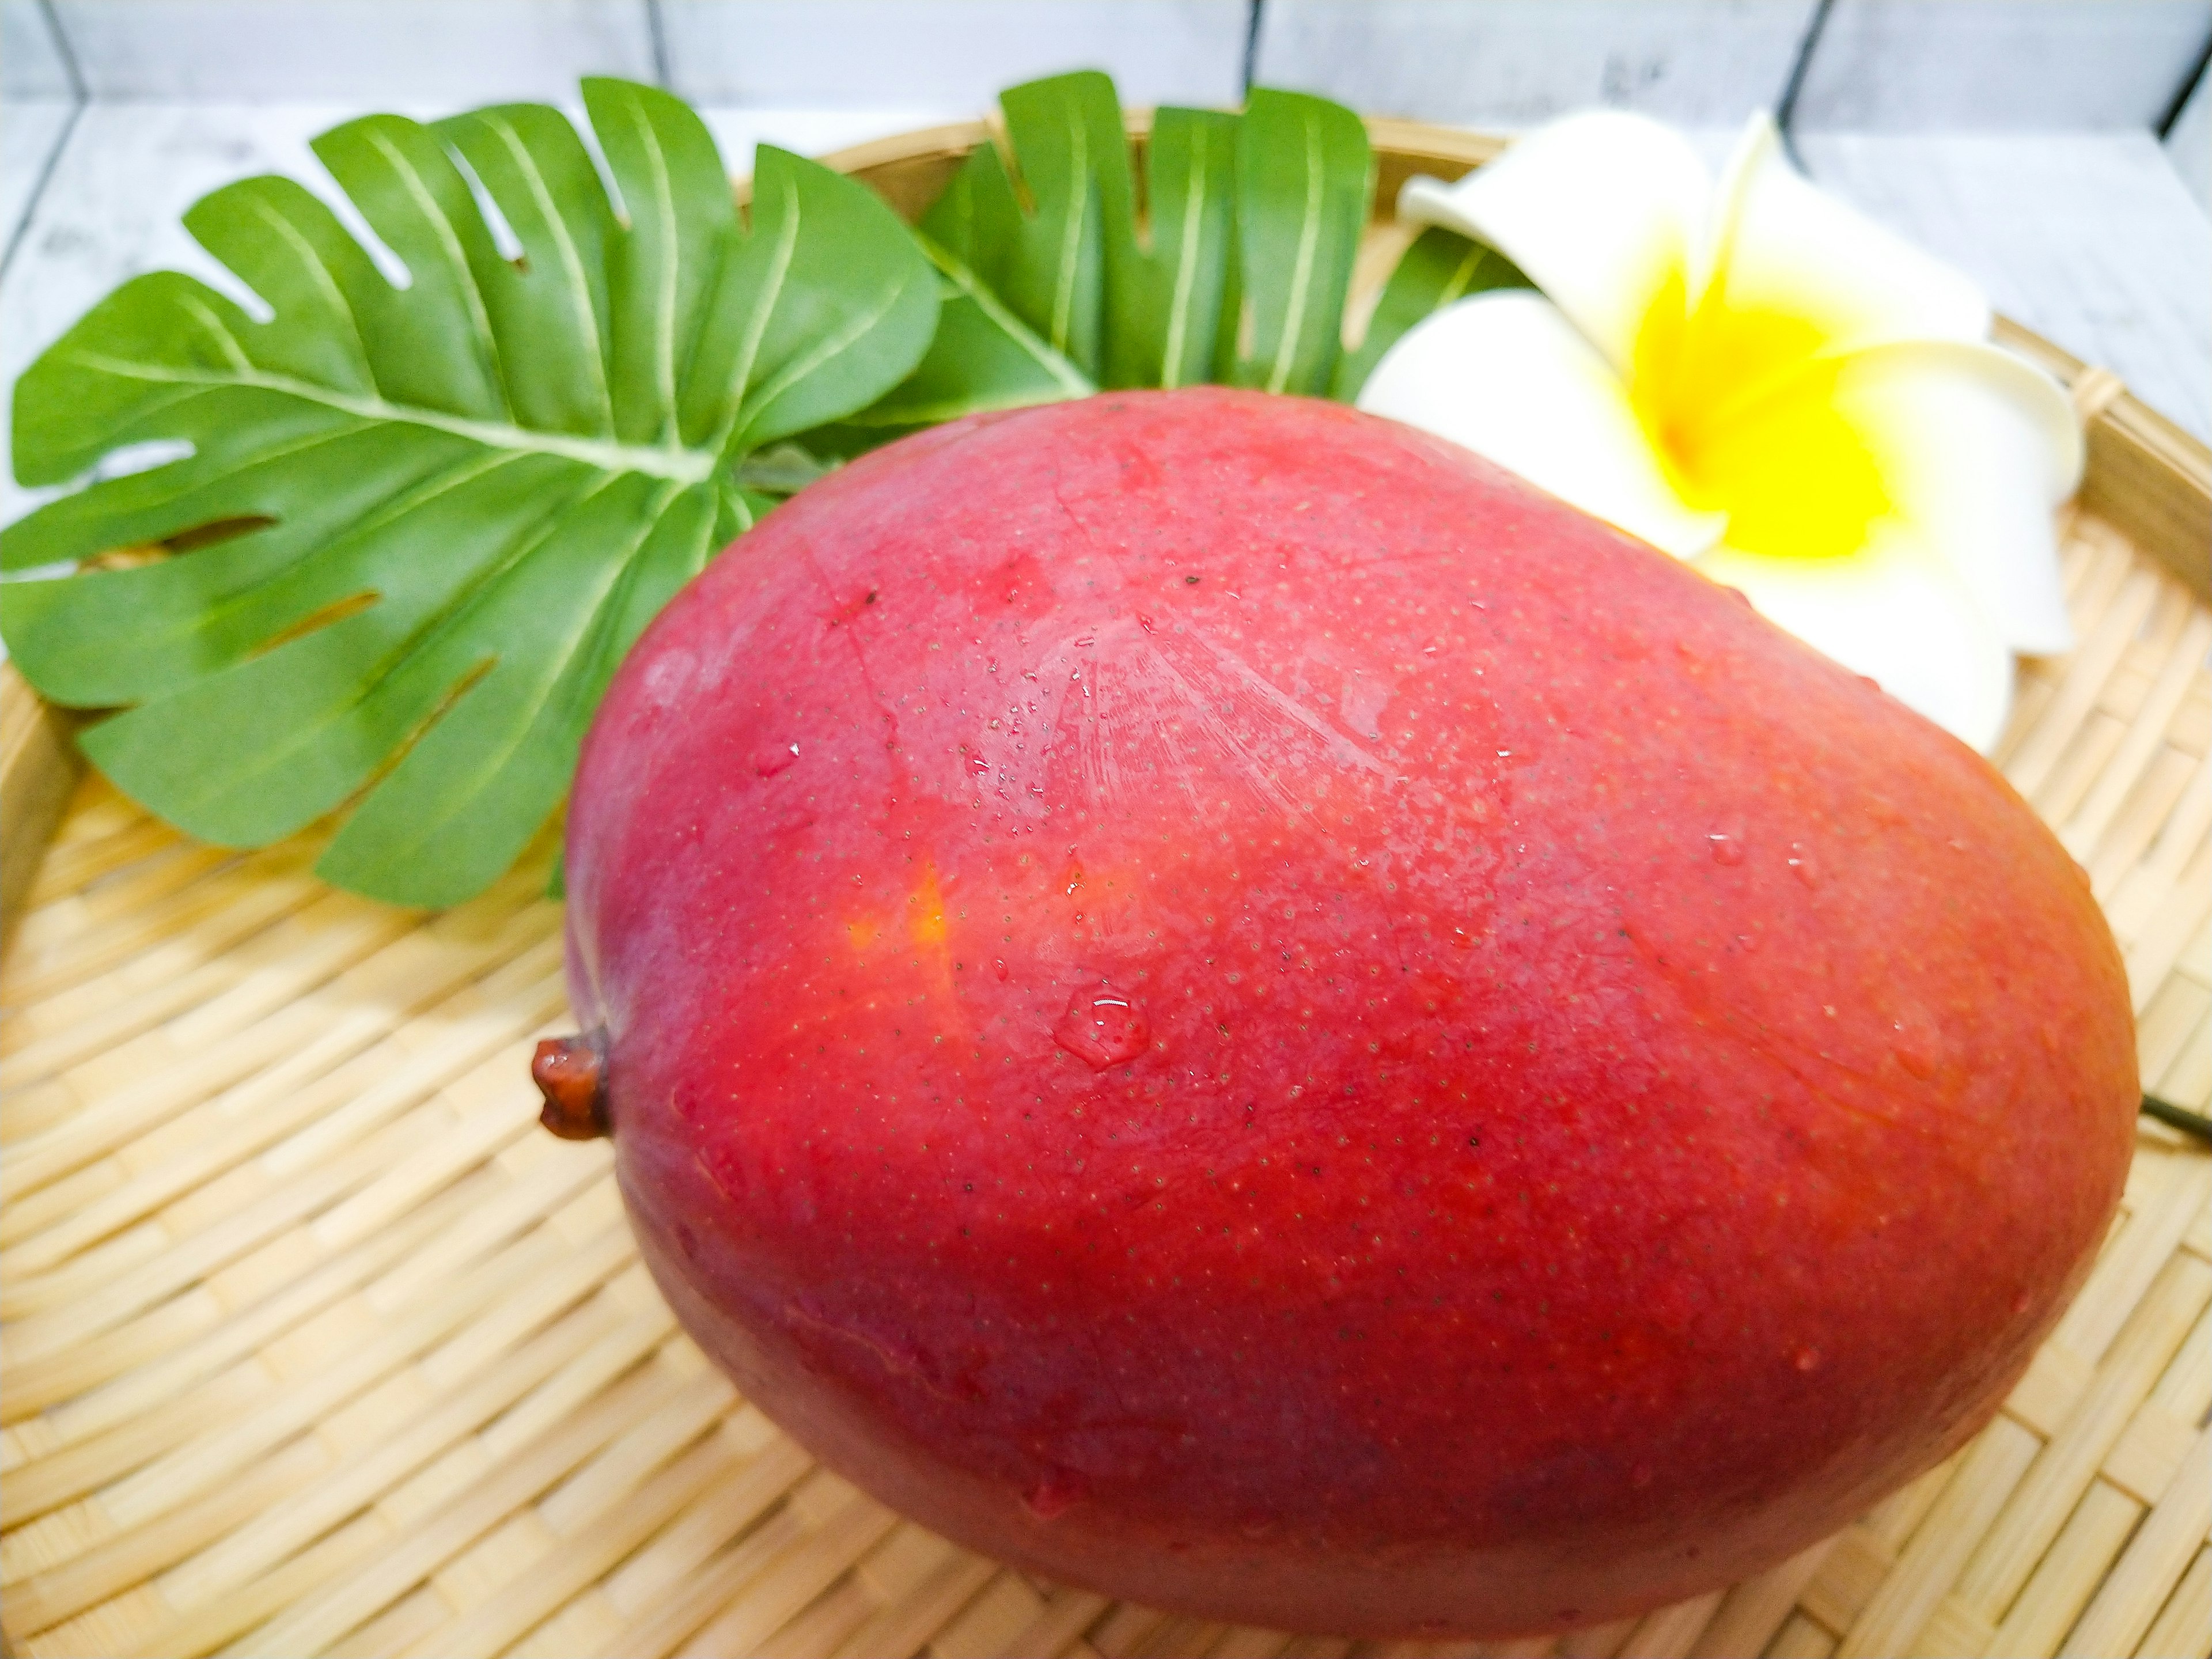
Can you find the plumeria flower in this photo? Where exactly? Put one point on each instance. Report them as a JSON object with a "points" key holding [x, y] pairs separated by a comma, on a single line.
{"points": [[1756, 378]]}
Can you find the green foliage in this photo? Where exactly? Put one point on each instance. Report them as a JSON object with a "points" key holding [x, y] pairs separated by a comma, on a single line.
{"points": [[984, 357], [1302, 180], [426, 519], [460, 499], [1179, 323], [1231, 265], [1440, 267]]}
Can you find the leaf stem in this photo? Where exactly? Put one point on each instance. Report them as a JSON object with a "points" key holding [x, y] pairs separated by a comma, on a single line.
{"points": [[1054, 363], [1287, 352], [2178, 1117], [683, 465], [1193, 215], [1071, 249]]}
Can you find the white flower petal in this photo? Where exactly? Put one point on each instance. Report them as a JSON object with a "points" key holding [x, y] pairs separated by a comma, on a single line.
{"points": [[1785, 247], [1508, 377], [1974, 448], [1895, 613], [1602, 210]]}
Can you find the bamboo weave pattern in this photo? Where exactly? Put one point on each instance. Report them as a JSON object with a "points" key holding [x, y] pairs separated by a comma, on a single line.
{"points": [[315, 1344]]}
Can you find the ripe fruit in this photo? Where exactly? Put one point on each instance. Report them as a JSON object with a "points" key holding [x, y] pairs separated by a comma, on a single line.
{"points": [[1215, 998]]}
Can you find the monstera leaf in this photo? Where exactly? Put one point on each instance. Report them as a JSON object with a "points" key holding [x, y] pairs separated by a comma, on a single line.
{"points": [[418, 503], [1231, 263], [1439, 267], [1303, 178], [426, 518]]}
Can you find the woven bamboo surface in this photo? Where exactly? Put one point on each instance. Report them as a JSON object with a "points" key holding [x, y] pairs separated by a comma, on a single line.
{"points": [[314, 1343]]}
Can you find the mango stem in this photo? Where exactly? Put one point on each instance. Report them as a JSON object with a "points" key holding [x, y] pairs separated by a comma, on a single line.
{"points": [[571, 1072]]}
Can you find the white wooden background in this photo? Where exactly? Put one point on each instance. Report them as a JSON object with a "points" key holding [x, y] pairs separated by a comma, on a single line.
{"points": [[2059, 150]]}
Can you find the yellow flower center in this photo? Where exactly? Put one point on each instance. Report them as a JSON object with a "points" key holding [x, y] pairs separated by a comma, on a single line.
{"points": [[1744, 415]]}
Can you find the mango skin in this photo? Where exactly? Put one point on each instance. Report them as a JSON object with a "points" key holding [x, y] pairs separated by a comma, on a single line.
{"points": [[1609, 1094]]}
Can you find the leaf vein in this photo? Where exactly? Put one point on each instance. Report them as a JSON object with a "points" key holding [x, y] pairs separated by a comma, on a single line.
{"points": [[763, 308], [1194, 214], [572, 262], [485, 773], [1054, 363], [225, 340], [311, 261], [1286, 350], [449, 243], [1070, 237], [683, 465], [835, 346]]}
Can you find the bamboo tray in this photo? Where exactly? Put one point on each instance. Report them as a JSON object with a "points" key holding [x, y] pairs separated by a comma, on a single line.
{"points": [[314, 1343]]}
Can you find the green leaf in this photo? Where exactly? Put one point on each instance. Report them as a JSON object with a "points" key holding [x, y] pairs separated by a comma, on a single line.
{"points": [[1052, 291], [1303, 179], [1238, 271], [1440, 267], [1071, 269], [461, 499], [984, 357], [1045, 264], [1166, 328], [1022, 313], [1054, 272]]}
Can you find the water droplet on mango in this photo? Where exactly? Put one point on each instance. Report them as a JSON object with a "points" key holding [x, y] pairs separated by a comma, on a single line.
{"points": [[1802, 865], [1054, 1494], [1102, 1028]]}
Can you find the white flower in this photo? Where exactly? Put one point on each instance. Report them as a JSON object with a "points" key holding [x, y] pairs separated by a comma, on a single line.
{"points": [[1760, 381]]}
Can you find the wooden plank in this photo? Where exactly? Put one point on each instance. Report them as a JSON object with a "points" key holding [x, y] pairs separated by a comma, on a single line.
{"points": [[31, 129], [1513, 62], [31, 58], [2188, 143], [2091, 240], [951, 54], [1918, 66], [394, 52]]}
